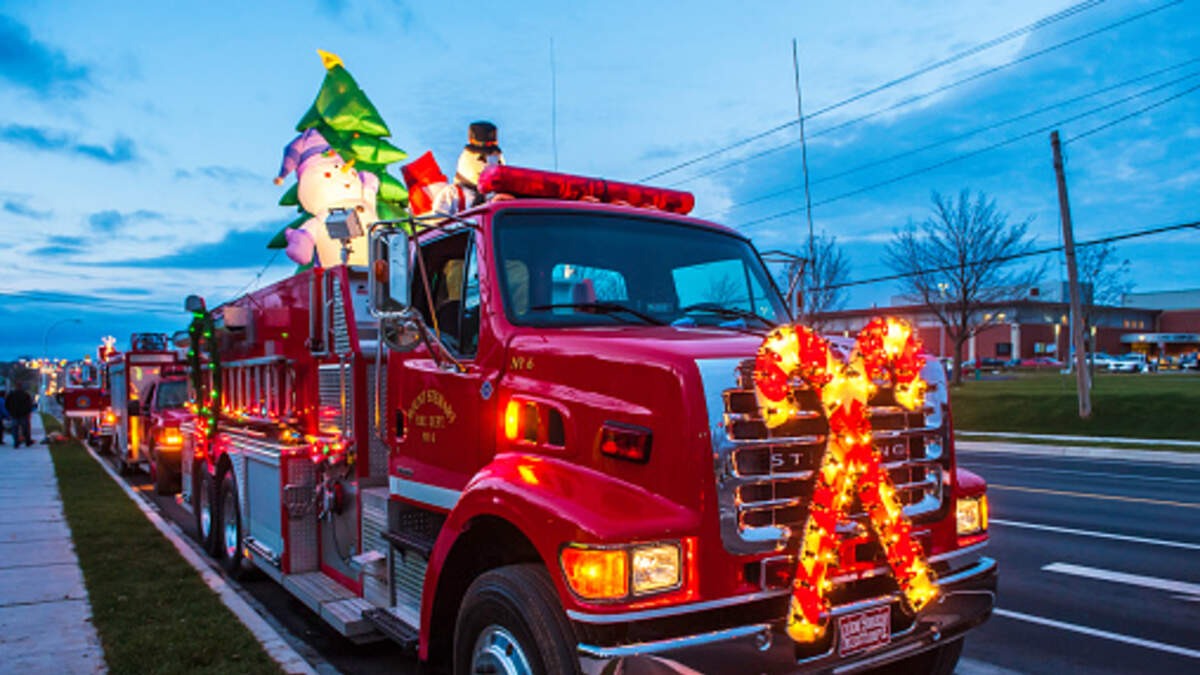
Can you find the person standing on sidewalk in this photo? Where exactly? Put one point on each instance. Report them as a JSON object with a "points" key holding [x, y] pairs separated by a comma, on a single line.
{"points": [[20, 405], [4, 416]]}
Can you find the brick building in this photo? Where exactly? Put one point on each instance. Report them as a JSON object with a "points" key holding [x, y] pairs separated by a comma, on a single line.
{"points": [[1038, 325]]}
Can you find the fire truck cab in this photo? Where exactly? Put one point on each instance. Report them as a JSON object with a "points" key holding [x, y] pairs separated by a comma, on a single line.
{"points": [[525, 440], [147, 388]]}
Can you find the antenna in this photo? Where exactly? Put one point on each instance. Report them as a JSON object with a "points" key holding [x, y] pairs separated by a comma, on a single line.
{"points": [[812, 263], [553, 106]]}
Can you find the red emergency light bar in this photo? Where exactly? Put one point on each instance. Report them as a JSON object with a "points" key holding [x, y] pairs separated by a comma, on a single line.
{"points": [[520, 182]]}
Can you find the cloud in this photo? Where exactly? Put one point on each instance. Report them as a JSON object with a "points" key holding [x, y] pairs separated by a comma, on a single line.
{"points": [[24, 210], [122, 150], [54, 250], [239, 248], [37, 67], [221, 174], [111, 220]]}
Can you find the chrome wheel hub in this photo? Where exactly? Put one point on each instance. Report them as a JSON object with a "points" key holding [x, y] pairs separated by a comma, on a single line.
{"points": [[206, 515], [497, 651], [229, 525]]}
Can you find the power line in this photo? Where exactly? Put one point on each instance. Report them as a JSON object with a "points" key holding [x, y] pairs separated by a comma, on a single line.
{"points": [[257, 277], [971, 51], [967, 134], [959, 158], [1015, 256], [1129, 116], [919, 97]]}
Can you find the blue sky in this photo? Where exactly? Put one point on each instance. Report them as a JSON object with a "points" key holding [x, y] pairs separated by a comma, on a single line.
{"points": [[139, 139]]}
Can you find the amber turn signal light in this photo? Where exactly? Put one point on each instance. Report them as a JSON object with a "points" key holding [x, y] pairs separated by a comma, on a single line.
{"points": [[596, 574]]}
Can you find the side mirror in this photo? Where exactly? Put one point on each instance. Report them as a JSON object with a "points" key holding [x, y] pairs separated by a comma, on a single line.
{"points": [[194, 304], [389, 273]]}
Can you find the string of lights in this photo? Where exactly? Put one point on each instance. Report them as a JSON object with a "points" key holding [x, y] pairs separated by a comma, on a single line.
{"points": [[958, 158], [970, 51], [967, 134]]}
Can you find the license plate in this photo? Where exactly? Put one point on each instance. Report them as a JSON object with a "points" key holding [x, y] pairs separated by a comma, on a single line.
{"points": [[865, 630]]}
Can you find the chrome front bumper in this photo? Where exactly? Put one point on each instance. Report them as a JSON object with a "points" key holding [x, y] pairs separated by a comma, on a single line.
{"points": [[966, 600]]}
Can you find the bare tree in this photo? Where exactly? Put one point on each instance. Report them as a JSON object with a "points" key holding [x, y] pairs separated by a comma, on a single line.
{"points": [[959, 259], [1105, 279], [820, 291], [723, 291]]}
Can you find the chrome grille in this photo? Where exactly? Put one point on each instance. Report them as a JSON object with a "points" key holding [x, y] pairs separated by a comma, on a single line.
{"points": [[765, 476]]}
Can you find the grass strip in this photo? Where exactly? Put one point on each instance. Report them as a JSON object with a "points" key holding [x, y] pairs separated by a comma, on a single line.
{"points": [[153, 612], [1135, 406]]}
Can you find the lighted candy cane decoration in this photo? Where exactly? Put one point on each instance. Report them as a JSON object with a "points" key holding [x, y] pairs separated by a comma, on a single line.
{"points": [[886, 351]]}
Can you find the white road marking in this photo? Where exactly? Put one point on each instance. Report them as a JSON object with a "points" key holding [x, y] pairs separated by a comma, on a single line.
{"points": [[983, 466], [1169, 585], [1095, 632], [975, 667], [1099, 535]]}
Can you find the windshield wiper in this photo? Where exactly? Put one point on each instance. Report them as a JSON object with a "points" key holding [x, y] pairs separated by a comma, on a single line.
{"points": [[602, 308], [732, 312]]}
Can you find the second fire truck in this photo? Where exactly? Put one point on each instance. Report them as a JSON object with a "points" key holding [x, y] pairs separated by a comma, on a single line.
{"points": [[524, 440]]}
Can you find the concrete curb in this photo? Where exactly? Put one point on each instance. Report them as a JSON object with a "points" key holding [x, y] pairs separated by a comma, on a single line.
{"points": [[1113, 440], [1124, 454], [272, 642]]}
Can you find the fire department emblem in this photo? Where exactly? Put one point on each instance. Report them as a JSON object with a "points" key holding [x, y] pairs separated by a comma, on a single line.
{"points": [[886, 351]]}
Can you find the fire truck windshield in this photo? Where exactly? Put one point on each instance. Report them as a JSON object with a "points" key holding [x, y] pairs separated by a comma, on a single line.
{"points": [[171, 394], [580, 269]]}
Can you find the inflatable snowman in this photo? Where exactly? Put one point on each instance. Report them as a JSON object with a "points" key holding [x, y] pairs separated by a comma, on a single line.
{"points": [[326, 182]]}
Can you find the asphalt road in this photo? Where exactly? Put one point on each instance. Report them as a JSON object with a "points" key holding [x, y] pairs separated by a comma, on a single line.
{"points": [[1099, 573], [1099, 566]]}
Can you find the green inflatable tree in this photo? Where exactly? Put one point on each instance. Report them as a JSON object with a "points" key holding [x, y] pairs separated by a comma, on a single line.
{"points": [[347, 120]]}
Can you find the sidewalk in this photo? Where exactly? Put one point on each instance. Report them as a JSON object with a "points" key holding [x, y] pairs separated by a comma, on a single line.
{"points": [[45, 619]]}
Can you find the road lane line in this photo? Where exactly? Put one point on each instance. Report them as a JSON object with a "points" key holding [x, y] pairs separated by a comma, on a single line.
{"points": [[1098, 535], [1092, 495], [1169, 585], [983, 466], [968, 666], [1095, 632]]}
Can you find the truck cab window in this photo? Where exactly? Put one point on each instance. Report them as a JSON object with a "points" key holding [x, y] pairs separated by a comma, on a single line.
{"points": [[447, 262], [469, 324]]}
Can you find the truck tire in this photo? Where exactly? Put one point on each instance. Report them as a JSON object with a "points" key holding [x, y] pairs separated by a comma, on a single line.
{"points": [[511, 621], [164, 478], [204, 500], [940, 661], [229, 527]]}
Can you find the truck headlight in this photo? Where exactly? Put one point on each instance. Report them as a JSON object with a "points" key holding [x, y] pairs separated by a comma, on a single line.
{"points": [[655, 568], [616, 573], [972, 515]]}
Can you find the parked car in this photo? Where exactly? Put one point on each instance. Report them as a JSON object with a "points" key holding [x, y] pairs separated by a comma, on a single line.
{"points": [[1130, 363], [1190, 361], [984, 363], [1101, 360], [1040, 362]]}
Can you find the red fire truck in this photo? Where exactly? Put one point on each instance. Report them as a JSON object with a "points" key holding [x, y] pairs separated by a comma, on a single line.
{"points": [[83, 398], [525, 439], [148, 389]]}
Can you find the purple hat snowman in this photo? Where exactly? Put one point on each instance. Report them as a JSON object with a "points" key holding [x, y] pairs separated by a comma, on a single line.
{"points": [[304, 148]]}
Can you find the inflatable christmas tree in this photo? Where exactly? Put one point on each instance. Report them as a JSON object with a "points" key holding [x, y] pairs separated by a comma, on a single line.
{"points": [[340, 159]]}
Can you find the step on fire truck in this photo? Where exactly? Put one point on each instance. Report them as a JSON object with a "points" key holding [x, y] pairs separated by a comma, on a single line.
{"points": [[147, 386], [525, 439]]}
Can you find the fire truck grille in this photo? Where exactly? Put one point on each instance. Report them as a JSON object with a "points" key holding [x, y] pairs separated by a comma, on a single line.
{"points": [[766, 476]]}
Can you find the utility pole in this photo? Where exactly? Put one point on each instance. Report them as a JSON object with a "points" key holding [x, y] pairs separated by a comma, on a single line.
{"points": [[1064, 206], [812, 258]]}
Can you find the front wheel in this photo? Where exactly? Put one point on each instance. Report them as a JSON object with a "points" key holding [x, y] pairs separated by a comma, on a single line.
{"points": [[164, 477], [510, 621], [229, 534], [204, 507]]}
